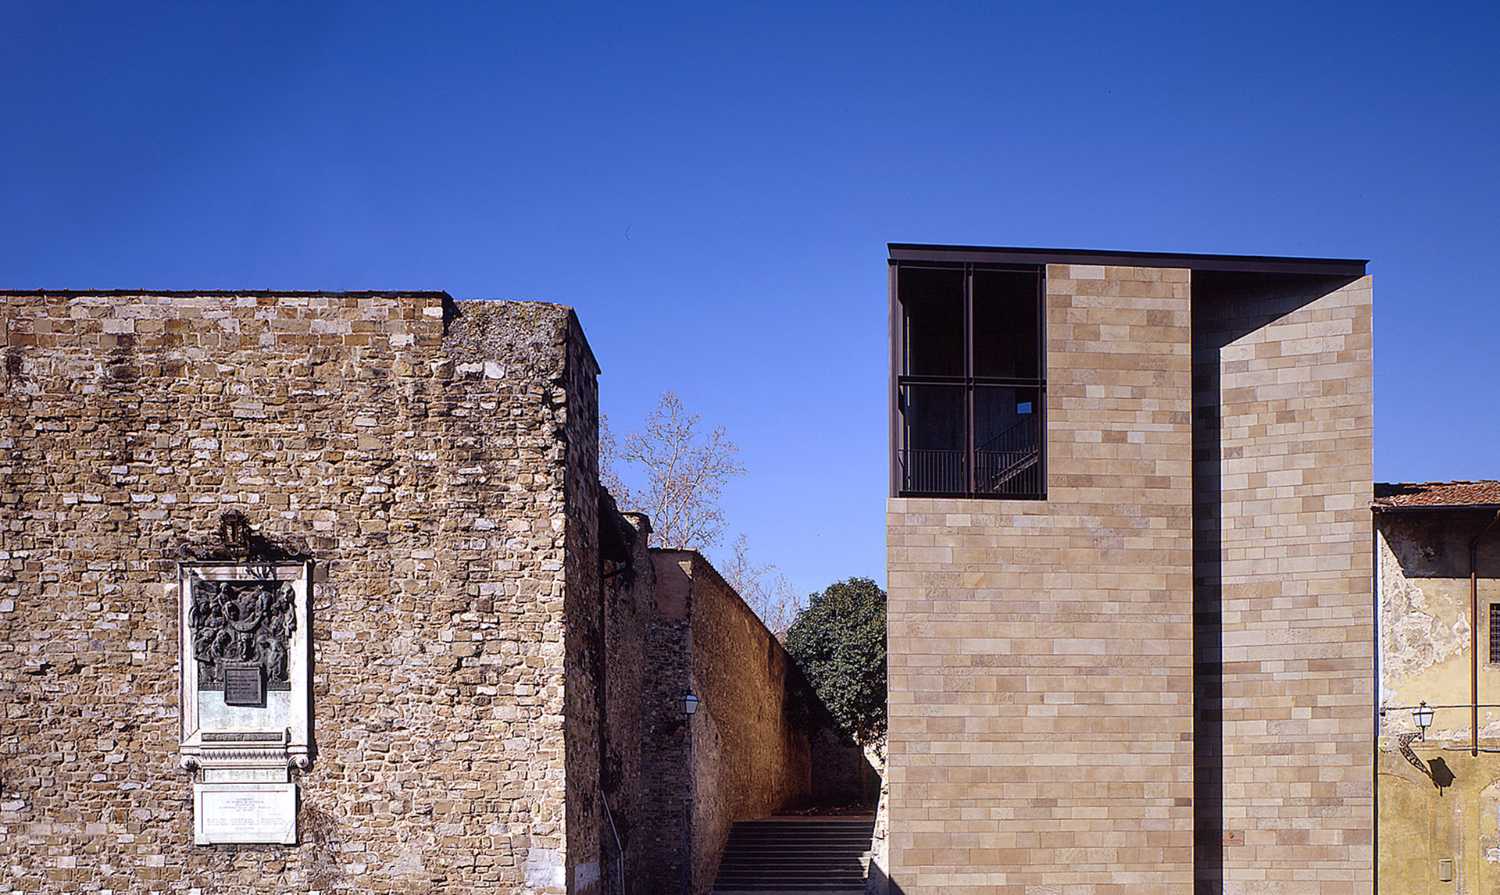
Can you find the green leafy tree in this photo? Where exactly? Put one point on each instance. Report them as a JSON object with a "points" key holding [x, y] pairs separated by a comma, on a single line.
{"points": [[839, 643]]}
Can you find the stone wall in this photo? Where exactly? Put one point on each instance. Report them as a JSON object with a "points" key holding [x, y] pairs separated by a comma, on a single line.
{"points": [[1041, 651], [844, 775], [668, 785], [1436, 801], [1282, 382], [584, 621], [432, 456], [629, 580], [751, 749]]}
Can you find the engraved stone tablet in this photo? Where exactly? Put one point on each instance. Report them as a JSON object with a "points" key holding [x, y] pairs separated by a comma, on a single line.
{"points": [[245, 775], [244, 685], [245, 813]]}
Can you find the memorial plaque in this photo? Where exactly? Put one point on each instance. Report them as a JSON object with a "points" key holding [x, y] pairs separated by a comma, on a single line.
{"points": [[245, 737], [245, 813], [244, 685], [245, 775]]}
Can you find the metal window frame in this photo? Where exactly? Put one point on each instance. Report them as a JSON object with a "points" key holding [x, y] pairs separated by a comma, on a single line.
{"points": [[900, 378], [1494, 633]]}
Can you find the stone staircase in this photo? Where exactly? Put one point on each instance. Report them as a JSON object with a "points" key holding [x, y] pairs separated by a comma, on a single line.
{"points": [[796, 856]]}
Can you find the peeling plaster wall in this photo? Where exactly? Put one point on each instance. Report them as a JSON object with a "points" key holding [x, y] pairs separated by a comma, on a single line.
{"points": [[1424, 620], [1445, 806]]}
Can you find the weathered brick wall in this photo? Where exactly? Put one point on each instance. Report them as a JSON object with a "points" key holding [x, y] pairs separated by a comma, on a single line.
{"points": [[422, 450], [1041, 652], [1283, 404], [751, 750]]}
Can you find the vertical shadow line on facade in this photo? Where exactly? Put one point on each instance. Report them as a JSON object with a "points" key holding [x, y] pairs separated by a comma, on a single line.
{"points": [[1208, 646]]}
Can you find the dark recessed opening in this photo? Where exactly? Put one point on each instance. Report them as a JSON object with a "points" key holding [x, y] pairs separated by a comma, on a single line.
{"points": [[970, 392]]}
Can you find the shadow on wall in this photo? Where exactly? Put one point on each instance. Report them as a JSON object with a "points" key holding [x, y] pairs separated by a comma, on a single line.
{"points": [[1441, 774], [761, 742], [1219, 320]]}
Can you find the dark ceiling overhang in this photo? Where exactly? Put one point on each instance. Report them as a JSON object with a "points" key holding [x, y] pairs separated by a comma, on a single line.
{"points": [[953, 254]]}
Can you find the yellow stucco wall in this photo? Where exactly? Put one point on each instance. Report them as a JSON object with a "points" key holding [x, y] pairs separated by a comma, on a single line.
{"points": [[1422, 823], [1449, 808]]}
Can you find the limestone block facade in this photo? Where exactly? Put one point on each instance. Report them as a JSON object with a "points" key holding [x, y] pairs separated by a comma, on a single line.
{"points": [[1284, 619], [1156, 678]]}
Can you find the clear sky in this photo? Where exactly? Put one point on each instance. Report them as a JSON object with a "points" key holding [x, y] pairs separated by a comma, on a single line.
{"points": [[712, 187]]}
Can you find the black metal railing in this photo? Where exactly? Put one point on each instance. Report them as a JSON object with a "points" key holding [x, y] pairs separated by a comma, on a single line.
{"points": [[934, 472], [614, 855], [1010, 463], [1007, 465]]}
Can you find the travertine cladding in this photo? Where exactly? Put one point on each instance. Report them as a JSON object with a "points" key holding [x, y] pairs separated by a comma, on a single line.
{"points": [[751, 749], [424, 451], [1285, 366], [1041, 652]]}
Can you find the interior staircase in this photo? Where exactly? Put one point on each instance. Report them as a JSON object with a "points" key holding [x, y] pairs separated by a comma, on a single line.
{"points": [[796, 856]]}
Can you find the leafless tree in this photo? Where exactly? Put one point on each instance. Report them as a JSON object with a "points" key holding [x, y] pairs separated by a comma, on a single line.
{"points": [[609, 469], [685, 472], [763, 588]]}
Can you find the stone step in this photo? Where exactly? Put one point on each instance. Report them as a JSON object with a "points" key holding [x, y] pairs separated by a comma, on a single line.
{"points": [[790, 856]]}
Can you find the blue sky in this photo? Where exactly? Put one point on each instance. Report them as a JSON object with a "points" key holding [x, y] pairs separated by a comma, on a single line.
{"points": [[713, 186]]}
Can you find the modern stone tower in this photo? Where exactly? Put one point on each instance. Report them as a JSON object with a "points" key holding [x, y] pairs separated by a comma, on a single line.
{"points": [[1129, 557]]}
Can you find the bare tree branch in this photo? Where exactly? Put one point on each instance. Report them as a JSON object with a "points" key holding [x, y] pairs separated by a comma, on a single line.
{"points": [[685, 475], [609, 459], [763, 588]]}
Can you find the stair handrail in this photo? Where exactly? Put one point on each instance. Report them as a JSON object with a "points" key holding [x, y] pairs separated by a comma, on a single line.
{"points": [[1028, 423], [619, 845]]}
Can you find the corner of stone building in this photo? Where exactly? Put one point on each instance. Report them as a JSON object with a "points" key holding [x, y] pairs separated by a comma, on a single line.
{"points": [[585, 619]]}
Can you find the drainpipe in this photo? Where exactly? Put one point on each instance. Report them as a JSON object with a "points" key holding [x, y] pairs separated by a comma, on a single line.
{"points": [[1474, 636]]}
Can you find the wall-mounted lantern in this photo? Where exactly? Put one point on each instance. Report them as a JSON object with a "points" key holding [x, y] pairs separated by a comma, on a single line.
{"points": [[1422, 714], [689, 704]]}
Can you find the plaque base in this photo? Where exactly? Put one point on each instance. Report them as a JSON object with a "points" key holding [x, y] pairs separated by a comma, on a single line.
{"points": [[244, 813]]}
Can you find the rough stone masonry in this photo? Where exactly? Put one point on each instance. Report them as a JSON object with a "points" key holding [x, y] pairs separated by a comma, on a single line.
{"points": [[428, 455], [496, 675]]}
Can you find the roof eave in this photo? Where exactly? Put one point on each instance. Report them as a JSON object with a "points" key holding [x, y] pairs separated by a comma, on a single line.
{"points": [[1430, 507], [966, 254]]}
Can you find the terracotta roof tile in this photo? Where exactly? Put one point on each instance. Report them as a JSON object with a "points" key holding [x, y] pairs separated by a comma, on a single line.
{"points": [[1403, 495]]}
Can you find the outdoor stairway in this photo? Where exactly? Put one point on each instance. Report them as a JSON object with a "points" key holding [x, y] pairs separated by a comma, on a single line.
{"points": [[1023, 463], [796, 856]]}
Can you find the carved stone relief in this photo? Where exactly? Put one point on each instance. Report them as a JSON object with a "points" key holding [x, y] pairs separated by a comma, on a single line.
{"points": [[237, 623]]}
